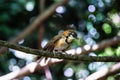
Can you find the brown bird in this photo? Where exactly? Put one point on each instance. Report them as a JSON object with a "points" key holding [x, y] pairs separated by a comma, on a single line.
{"points": [[60, 42]]}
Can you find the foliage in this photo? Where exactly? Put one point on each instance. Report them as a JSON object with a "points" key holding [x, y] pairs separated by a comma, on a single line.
{"points": [[94, 21]]}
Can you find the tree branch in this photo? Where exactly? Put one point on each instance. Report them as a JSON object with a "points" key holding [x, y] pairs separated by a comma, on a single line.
{"points": [[34, 66], [39, 20], [103, 44], [72, 54], [28, 69], [41, 27], [104, 72], [47, 71]]}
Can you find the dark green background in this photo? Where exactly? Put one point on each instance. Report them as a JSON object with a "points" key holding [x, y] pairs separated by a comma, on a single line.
{"points": [[14, 18]]}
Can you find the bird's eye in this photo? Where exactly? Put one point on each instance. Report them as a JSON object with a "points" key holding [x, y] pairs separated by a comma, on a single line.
{"points": [[73, 34]]}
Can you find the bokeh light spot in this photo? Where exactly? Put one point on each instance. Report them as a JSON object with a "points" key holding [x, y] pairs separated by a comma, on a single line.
{"points": [[78, 50], [60, 9], [94, 47], [13, 61], [14, 68], [44, 42], [82, 74], [118, 51], [29, 6], [92, 54], [100, 3], [92, 17], [116, 18], [89, 40], [99, 17], [91, 8], [21, 41], [68, 72], [87, 47], [89, 26], [107, 1], [26, 78], [107, 28]]}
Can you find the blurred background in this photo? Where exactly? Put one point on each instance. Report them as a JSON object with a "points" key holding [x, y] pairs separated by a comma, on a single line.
{"points": [[94, 21]]}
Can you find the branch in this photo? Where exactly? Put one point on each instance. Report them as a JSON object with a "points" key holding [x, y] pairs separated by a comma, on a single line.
{"points": [[103, 44], [41, 27], [34, 66], [28, 69], [39, 20], [72, 54], [47, 71], [104, 72], [41, 5]]}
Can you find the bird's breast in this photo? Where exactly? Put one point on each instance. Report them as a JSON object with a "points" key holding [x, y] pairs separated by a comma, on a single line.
{"points": [[61, 45]]}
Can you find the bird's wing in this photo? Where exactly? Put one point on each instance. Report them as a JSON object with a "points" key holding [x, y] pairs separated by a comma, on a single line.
{"points": [[51, 44]]}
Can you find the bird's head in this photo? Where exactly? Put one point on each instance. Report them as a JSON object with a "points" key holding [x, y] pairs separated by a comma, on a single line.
{"points": [[70, 35]]}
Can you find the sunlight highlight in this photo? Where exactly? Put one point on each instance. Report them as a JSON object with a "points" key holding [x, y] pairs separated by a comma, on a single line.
{"points": [[22, 55], [32, 66], [10, 76], [72, 51], [95, 75], [44, 61]]}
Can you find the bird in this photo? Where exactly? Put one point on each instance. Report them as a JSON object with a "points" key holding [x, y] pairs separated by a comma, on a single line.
{"points": [[61, 42]]}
